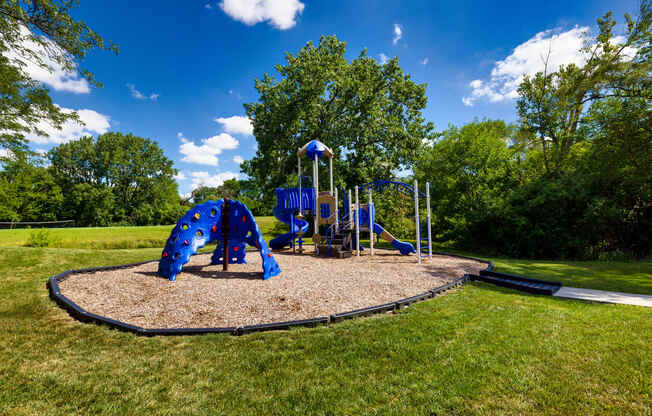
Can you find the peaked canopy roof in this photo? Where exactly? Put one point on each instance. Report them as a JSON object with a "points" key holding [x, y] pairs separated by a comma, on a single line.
{"points": [[315, 148]]}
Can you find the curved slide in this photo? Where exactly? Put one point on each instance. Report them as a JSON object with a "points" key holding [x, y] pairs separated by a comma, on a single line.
{"points": [[285, 216], [403, 247]]}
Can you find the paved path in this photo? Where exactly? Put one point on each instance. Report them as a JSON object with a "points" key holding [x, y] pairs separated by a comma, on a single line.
{"points": [[604, 296]]}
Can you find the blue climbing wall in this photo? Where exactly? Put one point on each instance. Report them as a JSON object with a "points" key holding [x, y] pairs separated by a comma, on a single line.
{"points": [[202, 225]]}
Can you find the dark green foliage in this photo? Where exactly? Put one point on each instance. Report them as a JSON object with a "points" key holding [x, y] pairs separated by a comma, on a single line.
{"points": [[246, 191], [118, 179]]}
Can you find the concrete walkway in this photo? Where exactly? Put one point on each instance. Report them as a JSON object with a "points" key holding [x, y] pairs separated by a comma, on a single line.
{"points": [[604, 296]]}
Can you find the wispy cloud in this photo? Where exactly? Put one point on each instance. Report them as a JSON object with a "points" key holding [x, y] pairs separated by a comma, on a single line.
{"points": [[202, 178], [554, 46], [398, 33], [139, 95], [93, 123], [48, 71], [424, 61]]}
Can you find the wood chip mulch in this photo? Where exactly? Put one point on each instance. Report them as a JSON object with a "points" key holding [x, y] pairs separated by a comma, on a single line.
{"points": [[204, 296]]}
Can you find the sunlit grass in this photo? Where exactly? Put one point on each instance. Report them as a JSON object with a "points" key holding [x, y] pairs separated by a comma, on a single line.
{"points": [[480, 349]]}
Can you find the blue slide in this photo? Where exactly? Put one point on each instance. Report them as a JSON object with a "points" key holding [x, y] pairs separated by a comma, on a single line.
{"points": [[285, 216], [287, 202]]}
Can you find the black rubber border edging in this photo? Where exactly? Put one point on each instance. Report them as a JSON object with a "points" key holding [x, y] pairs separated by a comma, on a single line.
{"points": [[523, 284], [84, 316]]}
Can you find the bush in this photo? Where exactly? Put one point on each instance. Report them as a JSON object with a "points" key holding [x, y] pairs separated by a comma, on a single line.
{"points": [[41, 238]]}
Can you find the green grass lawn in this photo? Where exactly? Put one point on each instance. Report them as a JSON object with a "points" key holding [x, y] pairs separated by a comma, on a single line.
{"points": [[477, 350]]}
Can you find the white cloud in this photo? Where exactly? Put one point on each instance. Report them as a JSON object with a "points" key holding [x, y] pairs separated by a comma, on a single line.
{"points": [[425, 61], [139, 95], [383, 58], [180, 176], [205, 179], [398, 33], [236, 125], [4, 152], [53, 74], [95, 123], [280, 13], [528, 58], [206, 153], [238, 159]]}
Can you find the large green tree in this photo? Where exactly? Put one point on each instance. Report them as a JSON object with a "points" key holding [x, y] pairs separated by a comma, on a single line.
{"points": [[42, 33], [552, 104], [126, 176], [368, 113]]}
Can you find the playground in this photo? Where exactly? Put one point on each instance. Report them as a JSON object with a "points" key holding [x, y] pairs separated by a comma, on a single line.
{"points": [[334, 275]]}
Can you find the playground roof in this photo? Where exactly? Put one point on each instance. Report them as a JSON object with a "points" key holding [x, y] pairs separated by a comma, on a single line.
{"points": [[315, 148]]}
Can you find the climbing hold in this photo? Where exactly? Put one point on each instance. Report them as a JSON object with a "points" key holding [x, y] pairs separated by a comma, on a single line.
{"points": [[269, 254], [185, 226], [199, 233], [186, 243], [235, 248], [214, 228], [243, 218], [165, 254], [196, 216], [213, 212]]}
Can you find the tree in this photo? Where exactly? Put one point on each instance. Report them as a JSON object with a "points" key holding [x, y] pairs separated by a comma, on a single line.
{"points": [[135, 171], [29, 191], [469, 168], [369, 114], [42, 33], [243, 190], [551, 105]]}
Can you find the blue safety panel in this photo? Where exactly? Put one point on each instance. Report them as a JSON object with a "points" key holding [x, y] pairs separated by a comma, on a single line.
{"points": [[288, 198], [324, 210]]}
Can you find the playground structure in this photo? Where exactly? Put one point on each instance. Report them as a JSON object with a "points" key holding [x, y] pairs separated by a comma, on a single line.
{"points": [[228, 222], [341, 233]]}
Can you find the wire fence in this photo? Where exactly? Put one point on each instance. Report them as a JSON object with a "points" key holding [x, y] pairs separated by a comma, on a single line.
{"points": [[37, 224]]}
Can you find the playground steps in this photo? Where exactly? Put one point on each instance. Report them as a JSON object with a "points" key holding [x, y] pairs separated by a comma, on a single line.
{"points": [[524, 284], [335, 250]]}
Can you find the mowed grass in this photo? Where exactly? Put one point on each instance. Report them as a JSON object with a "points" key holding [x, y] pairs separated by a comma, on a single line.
{"points": [[107, 237], [477, 350]]}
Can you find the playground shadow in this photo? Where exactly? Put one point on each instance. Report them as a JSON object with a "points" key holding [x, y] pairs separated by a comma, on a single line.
{"points": [[214, 274]]}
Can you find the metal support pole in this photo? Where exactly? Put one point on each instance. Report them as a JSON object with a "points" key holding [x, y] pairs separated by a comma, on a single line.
{"points": [[316, 210], [225, 234], [330, 163], [337, 216], [371, 224], [350, 210], [300, 194], [428, 217], [416, 220], [357, 223]]}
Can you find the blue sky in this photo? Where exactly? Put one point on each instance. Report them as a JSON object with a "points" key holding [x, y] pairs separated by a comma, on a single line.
{"points": [[182, 65]]}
